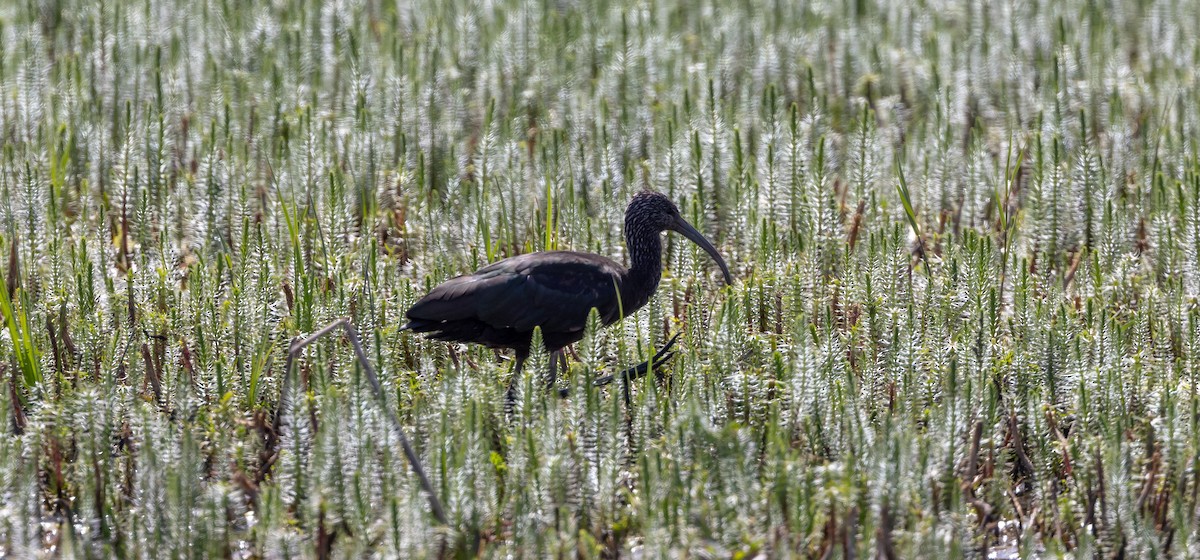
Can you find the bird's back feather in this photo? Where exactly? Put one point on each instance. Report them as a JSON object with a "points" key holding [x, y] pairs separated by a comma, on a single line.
{"points": [[500, 304]]}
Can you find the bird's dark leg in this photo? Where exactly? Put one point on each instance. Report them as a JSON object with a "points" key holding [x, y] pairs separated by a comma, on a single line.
{"points": [[297, 347], [640, 370], [510, 395], [660, 359], [557, 359]]}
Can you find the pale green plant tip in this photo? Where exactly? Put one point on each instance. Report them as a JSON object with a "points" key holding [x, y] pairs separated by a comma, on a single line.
{"points": [[826, 404]]}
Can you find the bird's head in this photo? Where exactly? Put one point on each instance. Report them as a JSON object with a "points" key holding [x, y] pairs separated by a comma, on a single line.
{"points": [[654, 212], [651, 210]]}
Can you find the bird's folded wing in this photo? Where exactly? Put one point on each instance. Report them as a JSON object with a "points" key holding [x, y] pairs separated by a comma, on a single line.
{"points": [[554, 293]]}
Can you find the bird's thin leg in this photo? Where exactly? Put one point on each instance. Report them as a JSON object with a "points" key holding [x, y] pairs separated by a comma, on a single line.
{"points": [[557, 360], [297, 346], [510, 395], [640, 370], [626, 394], [660, 359]]}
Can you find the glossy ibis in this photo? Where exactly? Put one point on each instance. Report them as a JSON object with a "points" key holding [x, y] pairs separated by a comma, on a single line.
{"points": [[500, 304]]}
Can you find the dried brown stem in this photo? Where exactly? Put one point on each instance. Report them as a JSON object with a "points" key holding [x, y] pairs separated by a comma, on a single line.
{"points": [[298, 346]]}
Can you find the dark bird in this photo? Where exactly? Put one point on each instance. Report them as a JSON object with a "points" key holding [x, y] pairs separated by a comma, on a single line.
{"points": [[500, 304]]}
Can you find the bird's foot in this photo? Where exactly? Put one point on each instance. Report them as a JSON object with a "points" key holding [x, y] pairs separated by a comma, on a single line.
{"points": [[637, 372]]}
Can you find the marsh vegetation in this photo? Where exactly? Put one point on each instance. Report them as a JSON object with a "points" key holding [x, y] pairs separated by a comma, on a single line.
{"points": [[964, 235]]}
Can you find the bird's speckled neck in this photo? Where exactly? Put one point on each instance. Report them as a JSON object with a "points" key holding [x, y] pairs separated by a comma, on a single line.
{"points": [[645, 259]]}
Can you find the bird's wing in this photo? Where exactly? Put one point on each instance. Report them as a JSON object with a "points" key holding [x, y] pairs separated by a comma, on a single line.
{"points": [[553, 290]]}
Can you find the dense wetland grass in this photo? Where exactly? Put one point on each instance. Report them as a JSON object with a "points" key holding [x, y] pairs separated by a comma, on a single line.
{"points": [[965, 237]]}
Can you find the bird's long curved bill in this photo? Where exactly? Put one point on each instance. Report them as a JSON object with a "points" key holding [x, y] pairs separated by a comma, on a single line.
{"points": [[690, 232]]}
